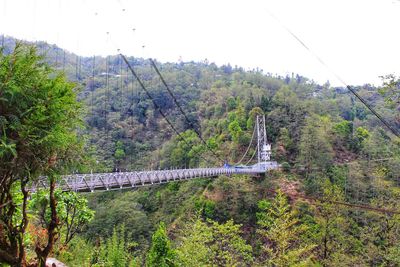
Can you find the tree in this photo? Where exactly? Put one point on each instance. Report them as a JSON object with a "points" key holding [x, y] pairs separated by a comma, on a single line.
{"points": [[193, 244], [183, 153], [360, 136], [229, 248], [281, 234], [240, 114], [77, 214], [119, 153], [266, 103], [39, 114], [315, 147], [344, 130], [256, 111], [160, 254], [391, 90], [235, 130], [382, 232], [114, 252], [231, 102], [284, 147], [117, 212], [72, 210], [213, 244], [336, 245], [287, 111]]}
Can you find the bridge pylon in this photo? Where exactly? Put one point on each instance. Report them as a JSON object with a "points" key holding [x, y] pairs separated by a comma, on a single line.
{"points": [[263, 146]]}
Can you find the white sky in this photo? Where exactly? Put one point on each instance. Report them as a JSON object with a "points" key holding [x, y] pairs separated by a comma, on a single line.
{"points": [[358, 39]]}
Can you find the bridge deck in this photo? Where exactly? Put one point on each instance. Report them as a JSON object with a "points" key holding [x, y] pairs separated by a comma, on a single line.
{"points": [[119, 180]]}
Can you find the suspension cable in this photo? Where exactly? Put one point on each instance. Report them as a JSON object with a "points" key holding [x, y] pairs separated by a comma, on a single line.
{"points": [[107, 92], [156, 106], [131, 108], [93, 85], [247, 163], [182, 111], [248, 148], [386, 123], [318, 201]]}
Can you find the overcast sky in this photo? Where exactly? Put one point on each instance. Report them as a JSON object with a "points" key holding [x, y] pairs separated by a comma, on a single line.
{"points": [[358, 39]]}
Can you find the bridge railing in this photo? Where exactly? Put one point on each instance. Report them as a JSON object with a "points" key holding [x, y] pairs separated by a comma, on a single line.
{"points": [[118, 180]]}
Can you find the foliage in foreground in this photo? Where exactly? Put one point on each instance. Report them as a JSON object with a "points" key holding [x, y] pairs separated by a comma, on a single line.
{"points": [[39, 116], [213, 244]]}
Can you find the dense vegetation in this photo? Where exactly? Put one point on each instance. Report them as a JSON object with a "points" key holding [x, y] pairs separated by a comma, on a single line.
{"points": [[332, 150], [39, 116]]}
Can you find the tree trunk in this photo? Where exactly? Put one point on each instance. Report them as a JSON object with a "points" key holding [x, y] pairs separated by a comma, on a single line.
{"points": [[10, 234], [23, 225], [7, 258], [42, 254]]}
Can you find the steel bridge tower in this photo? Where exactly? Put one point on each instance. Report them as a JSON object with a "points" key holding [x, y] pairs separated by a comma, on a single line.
{"points": [[263, 147]]}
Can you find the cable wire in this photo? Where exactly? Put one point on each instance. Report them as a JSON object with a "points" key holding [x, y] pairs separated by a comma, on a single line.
{"points": [[131, 113], [93, 86], [156, 106], [248, 148], [341, 203], [247, 163], [182, 111], [386, 123], [121, 86], [107, 92]]}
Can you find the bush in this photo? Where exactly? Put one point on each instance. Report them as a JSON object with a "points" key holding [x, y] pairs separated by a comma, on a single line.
{"points": [[285, 166]]}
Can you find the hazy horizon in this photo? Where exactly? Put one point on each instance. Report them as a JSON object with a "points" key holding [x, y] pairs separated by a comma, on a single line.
{"points": [[356, 39]]}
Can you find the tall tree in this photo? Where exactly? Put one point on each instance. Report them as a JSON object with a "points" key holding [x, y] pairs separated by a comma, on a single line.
{"points": [[336, 245], [72, 210], [192, 244], [160, 254], [280, 233], [114, 251], [213, 244], [382, 232], [39, 114], [315, 148], [287, 111], [391, 90]]}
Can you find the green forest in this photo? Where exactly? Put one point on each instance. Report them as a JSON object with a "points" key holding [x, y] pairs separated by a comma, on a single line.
{"points": [[335, 201]]}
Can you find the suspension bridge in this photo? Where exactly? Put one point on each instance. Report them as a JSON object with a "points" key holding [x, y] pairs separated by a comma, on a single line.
{"points": [[119, 180]]}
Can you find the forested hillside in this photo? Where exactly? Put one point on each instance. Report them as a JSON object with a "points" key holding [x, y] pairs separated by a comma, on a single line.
{"points": [[333, 153]]}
